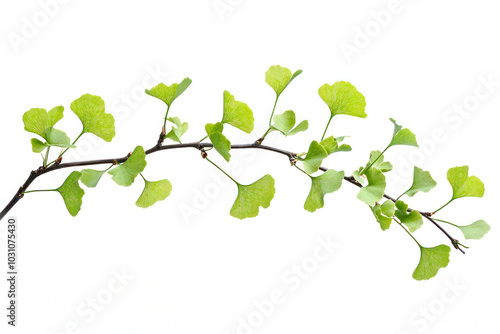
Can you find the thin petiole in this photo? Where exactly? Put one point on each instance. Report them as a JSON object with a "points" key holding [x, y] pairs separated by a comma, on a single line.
{"points": [[446, 222], [327, 125], [303, 171], [443, 206], [397, 199], [74, 142], [409, 233], [373, 162], [46, 158], [37, 191], [166, 118], [229, 176], [274, 108]]}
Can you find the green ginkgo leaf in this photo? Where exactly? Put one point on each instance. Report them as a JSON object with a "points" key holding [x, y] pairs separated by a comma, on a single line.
{"points": [[72, 193], [384, 214], [343, 99], [330, 145], [342, 147], [168, 94], [125, 174], [284, 123], [374, 191], [413, 220], [431, 260], [90, 110], [328, 182], [476, 230], [301, 127], [464, 185], [38, 120], [178, 130], [38, 146], [280, 77], [237, 113], [422, 181], [315, 155], [91, 177], [377, 162], [220, 142], [402, 136], [57, 138], [154, 192], [358, 177], [252, 196]]}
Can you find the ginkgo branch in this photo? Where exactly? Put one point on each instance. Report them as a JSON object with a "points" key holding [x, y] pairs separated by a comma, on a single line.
{"points": [[196, 145]]}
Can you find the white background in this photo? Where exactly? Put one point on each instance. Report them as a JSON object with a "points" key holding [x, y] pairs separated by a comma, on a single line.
{"points": [[204, 272]]}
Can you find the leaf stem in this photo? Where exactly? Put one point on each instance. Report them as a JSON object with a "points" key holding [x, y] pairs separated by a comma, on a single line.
{"points": [[397, 199], [261, 139], [303, 171], [38, 191], [74, 142], [229, 176], [446, 222], [327, 125], [274, 108], [46, 158], [409, 233], [166, 118], [451, 200], [373, 162]]}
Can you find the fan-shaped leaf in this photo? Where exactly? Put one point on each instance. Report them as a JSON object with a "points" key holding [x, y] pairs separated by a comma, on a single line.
{"points": [[250, 197], [314, 157], [154, 192], [125, 174], [91, 112], [343, 98], [238, 114], [168, 94], [72, 193], [431, 260], [328, 182], [464, 185], [280, 77]]}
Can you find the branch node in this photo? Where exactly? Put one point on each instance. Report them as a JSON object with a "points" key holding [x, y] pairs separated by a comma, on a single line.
{"points": [[259, 141], [161, 138]]}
